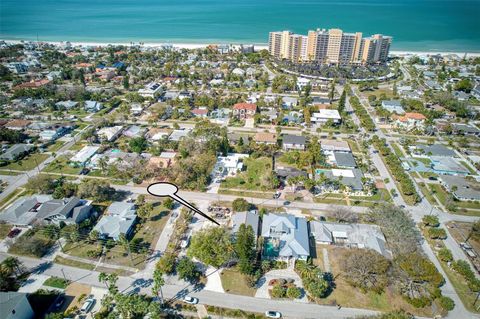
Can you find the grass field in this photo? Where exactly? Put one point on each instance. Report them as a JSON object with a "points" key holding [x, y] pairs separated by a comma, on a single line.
{"points": [[9, 197], [73, 263], [234, 282], [60, 165], [56, 146], [254, 177], [4, 230], [56, 282], [28, 163]]}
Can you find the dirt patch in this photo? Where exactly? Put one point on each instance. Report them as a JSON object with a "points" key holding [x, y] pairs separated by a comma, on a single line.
{"points": [[75, 294]]}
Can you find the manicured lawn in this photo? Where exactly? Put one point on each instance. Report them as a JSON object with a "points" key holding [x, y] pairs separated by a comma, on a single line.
{"points": [[397, 150], [150, 230], [246, 193], [78, 146], [73, 263], [4, 230], [234, 282], [425, 161], [468, 167], [427, 193], [56, 146], [254, 177], [354, 146], [28, 163], [9, 173], [56, 282], [9, 197], [60, 165]]}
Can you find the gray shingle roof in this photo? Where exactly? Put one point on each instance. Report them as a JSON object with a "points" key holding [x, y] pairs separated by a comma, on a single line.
{"points": [[294, 139], [344, 159], [9, 301]]}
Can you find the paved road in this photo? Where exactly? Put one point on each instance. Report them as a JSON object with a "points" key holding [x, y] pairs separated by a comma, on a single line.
{"points": [[418, 211], [289, 309], [22, 179], [198, 196]]}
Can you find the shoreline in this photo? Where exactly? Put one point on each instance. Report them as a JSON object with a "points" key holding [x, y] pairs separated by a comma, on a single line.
{"points": [[257, 46]]}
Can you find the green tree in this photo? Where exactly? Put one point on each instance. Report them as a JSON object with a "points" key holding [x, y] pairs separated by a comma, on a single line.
{"points": [[445, 255], [212, 246], [187, 270], [430, 220], [245, 248], [294, 292], [279, 291], [240, 205], [446, 303], [169, 203], [138, 144]]}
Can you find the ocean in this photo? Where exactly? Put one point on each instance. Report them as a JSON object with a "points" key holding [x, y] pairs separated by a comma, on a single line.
{"points": [[416, 25]]}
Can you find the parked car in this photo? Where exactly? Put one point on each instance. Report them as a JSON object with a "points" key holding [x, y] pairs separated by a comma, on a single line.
{"points": [[273, 314], [286, 203], [13, 233], [276, 195], [87, 305], [190, 300], [60, 301]]}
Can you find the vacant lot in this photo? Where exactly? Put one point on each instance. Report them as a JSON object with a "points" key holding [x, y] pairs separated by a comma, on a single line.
{"points": [[28, 163], [255, 177], [60, 165]]}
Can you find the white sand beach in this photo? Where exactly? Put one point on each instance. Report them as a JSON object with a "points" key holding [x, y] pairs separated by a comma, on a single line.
{"points": [[258, 47]]}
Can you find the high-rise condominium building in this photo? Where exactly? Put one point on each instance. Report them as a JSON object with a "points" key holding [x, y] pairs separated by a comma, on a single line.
{"points": [[329, 46]]}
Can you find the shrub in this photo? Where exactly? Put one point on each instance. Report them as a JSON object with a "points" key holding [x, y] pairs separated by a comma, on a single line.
{"points": [[445, 255], [446, 303], [294, 292], [240, 205], [279, 291], [430, 220], [437, 233]]}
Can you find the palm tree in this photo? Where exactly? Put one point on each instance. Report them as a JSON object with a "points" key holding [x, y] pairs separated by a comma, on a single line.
{"points": [[103, 277], [12, 265], [158, 283]]}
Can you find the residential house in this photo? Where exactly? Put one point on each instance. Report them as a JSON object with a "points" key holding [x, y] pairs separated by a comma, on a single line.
{"points": [[424, 150], [409, 121], [92, 106], [285, 237], [465, 129], [265, 138], [23, 211], [54, 133], [17, 125], [16, 151], [284, 173], [119, 218], [151, 90], [66, 104], [134, 131], [334, 146], [178, 135], [244, 110], [84, 155], [122, 160], [289, 102], [71, 210], [110, 134], [15, 305], [460, 187], [136, 108], [476, 92], [249, 218], [324, 115], [156, 134], [361, 236], [200, 112], [351, 179], [448, 166], [393, 106], [33, 84], [294, 142], [228, 165], [344, 160]]}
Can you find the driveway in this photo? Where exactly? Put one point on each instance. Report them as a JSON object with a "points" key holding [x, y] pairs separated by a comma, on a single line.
{"points": [[33, 283], [214, 282], [262, 290]]}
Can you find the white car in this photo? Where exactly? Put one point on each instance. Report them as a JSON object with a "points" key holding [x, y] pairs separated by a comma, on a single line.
{"points": [[273, 314], [87, 306], [190, 300]]}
